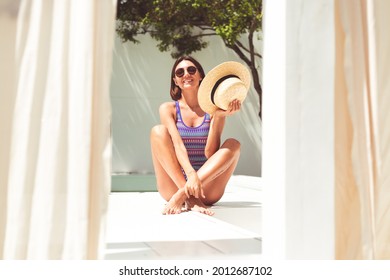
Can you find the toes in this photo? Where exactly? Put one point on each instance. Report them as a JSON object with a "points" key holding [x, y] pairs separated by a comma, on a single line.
{"points": [[208, 212], [171, 211]]}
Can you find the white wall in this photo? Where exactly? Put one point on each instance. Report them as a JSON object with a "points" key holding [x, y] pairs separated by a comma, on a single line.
{"points": [[141, 82]]}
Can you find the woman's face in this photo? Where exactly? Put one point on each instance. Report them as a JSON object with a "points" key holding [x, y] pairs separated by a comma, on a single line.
{"points": [[187, 75]]}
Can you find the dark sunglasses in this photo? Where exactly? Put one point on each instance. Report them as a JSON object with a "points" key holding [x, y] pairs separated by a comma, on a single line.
{"points": [[180, 71]]}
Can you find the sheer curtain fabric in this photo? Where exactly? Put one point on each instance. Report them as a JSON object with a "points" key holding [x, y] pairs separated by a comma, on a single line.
{"points": [[56, 147], [362, 129]]}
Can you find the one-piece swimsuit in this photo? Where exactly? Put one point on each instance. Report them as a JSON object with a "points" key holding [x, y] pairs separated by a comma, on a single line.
{"points": [[194, 138]]}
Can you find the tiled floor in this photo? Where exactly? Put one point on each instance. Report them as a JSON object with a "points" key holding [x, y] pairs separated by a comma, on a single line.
{"points": [[138, 230]]}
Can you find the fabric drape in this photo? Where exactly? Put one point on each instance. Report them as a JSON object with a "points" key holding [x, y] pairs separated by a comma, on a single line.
{"points": [[362, 131], [56, 153]]}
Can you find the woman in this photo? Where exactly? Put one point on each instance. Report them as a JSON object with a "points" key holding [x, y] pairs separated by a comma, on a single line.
{"points": [[192, 167]]}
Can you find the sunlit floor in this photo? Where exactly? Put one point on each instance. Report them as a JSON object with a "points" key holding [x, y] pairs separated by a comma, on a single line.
{"points": [[138, 231]]}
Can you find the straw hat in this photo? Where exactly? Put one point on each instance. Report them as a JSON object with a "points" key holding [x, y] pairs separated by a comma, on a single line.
{"points": [[224, 83]]}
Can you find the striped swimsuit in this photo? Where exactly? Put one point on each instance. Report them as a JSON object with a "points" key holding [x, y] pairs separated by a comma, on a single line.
{"points": [[194, 138]]}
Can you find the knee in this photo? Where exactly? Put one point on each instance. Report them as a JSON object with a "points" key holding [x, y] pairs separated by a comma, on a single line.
{"points": [[158, 132], [233, 144]]}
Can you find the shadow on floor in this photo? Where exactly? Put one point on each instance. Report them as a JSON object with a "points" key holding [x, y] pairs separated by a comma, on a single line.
{"points": [[237, 204]]}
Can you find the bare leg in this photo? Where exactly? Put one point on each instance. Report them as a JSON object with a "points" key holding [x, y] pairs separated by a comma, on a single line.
{"points": [[169, 176], [215, 174]]}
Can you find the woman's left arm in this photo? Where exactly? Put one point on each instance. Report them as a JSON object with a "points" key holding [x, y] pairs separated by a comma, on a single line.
{"points": [[216, 127]]}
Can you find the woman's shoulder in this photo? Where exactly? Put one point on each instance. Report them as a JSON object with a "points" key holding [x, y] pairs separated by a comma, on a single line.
{"points": [[168, 106], [168, 109]]}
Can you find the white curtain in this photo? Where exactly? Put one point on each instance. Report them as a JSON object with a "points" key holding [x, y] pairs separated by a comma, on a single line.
{"points": [[55, 127], [362, 129], [326, 72]]}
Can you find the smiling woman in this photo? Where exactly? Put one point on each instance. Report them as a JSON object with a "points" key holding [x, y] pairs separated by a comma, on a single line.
{"points": [[192, 167]]}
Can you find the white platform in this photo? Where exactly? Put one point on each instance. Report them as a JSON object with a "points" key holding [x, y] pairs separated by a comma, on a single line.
{"points": [[138, 230]]}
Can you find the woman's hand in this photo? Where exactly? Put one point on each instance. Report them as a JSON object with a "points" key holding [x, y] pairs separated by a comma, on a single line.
{"points": [[234, 107], [193, 186]]}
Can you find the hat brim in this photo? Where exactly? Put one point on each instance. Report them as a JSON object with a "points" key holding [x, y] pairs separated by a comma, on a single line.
{"points": [[218, 72]]}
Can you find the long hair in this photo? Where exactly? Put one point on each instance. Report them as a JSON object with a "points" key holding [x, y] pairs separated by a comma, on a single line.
{"points": [[175, 91]]}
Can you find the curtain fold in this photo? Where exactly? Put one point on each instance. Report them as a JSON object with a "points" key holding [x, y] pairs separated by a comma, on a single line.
{"points": [[362, 131], [59, 162]]}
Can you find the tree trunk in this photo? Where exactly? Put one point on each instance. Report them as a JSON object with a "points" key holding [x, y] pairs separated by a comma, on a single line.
{"points": [[255, 74], [257, 86]]}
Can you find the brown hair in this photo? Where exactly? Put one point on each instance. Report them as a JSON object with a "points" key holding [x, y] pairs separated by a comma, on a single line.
{"points": [[175, 90]]}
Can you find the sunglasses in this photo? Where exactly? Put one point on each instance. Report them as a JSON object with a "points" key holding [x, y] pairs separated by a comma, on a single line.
{"points": [[180, 71]]}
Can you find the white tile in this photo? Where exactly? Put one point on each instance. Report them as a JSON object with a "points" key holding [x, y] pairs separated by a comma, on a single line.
{"points": [[137, 229], [130, 251], [237, 246], [184, 249], [246, 218]]}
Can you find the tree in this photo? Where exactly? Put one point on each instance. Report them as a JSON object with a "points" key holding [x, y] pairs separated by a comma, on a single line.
{"points": [[182, 25]]}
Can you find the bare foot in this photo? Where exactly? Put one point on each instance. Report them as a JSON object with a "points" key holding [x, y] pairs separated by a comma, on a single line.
{"points": [[175, 204], [195, 204]]}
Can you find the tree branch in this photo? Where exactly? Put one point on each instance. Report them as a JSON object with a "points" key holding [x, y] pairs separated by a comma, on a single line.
{"points": [[247, 50], [204, 35], [205, 27], [237, 50], [250, 41]]}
